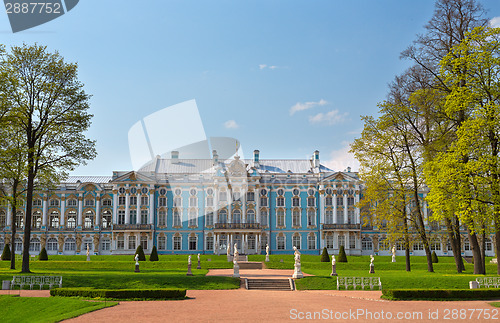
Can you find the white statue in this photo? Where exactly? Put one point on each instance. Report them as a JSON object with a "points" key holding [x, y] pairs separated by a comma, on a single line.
{"points": [[267, 249], [136, 259], [228, 250], [297, 255], [393, 254], [198, 257], [88, 250], [235, 251], [333, 260], [189, 260], [371, 260]]}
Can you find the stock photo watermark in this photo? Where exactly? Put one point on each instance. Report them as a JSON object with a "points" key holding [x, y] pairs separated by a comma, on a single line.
{"points": [[26, 14]]}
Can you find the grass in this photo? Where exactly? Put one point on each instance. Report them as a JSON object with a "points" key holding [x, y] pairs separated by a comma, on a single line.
{"points": [[42, 309]]}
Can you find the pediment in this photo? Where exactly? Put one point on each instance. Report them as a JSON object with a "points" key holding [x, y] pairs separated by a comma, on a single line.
{"points": [[237, 168], [133, 177]]}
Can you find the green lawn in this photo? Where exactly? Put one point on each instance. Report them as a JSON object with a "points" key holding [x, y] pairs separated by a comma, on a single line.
{"points": [[170, 272], [42, 309]]}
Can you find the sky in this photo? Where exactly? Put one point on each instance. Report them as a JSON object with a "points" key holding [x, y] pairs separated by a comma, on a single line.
{"points": [[286, 77]]}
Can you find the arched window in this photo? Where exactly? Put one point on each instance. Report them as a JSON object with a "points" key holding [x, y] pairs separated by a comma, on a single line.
{"points": [[311, 217], [18, 245], [52, 244], [106, 219], [71, 224], [237, 216], [70, 244], [162, 243], [250, 216], [222, 216], [20, 220], [89, 219], [296, 217], [366, 244], [263, 217], [35, 245], [280, 218], [311, 241], [296, 241], [3, 219], [36, 221], [54, 219], [177, 218], [329, 216]]}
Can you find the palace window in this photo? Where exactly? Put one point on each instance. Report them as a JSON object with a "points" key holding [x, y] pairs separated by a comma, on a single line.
{"points": [[329, 241], [295, 201], [193, 215], [106, 244], [121, 200], [328, 201], [162, 243], [222, 196], [222, 216], [131, 242], [144, 200], [280, 218], [121, 190], [311, 241], [311, 217], [341, 241], [54, 219], [435, 245], [177, 218], [71, 224], [488, 244], [263, 201], [52, 244], [37, 202], [106, 219], [236, 216], [106, 202], [177, 201], [121, 216], [54, 203], [263, 242], [280, 201], [210, 243], [144, 216], [89, 220], [263, 217], [280, 241], [418, 246], [177, 243], [311, 201], [340, 200], [133, 200], [162, 201], [250, 216], [192, 243], [350, 201], [236, 196], [72, 203], [296, 217], [296, 241], [210, 201], [340, 216], [329, 216], [35, 245], [144, 242], [18, 245], [366, 244], [162, 218], [87, 244], [120, 243], [251, 242], [19, 220], [209, 219], [89, 202], [133, 216], [350, 217], [250, 196], [352, 241], [193, 201], [36, 221], [70, 244], [3, 219]]}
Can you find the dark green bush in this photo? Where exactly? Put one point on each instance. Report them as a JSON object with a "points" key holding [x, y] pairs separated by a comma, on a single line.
{"points": [[139, 251], [43, 255], [6, 252], [342, 256], [324, 256], [406, 294], [154, 255], [120, 293], [434, 258]]}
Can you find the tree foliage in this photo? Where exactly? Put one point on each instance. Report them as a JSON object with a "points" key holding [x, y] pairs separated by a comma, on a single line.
{"points": [[342, 256], [324, 255], [139, 251], [154, 255]]}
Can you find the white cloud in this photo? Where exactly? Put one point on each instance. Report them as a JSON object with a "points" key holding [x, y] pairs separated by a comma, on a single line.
{"points": [[299, 106], [495, 22], [329, 118], [231, 124], [271, 67], [341, 159], [262, 66]]}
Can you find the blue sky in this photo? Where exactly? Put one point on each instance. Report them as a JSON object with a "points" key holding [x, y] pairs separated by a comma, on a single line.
{"points": [[285, 77]]}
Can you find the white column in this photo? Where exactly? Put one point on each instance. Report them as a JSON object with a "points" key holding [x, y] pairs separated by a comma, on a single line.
{"points": [[321, 206], [115, 207], [334, 208], [63, 210], [256, 197], [98, 211], [426, 219], [151, 206], [346, 218], [80, 211], [44, 211], [356, 209], [138, 205], [9, 214], [127, 208]]}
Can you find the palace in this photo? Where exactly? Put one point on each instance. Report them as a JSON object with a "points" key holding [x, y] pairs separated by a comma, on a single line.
{"points": [[190, 206]]}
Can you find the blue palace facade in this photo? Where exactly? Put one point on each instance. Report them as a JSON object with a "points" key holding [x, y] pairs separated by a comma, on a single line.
{"points": [[190, 206]]}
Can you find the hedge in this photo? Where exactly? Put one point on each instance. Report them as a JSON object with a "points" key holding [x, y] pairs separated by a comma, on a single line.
{"points": [[120, 293], [440, 294]]}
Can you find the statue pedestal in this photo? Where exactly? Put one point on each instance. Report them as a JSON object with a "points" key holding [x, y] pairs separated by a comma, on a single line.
{"points": [[189, 273], [88, 257], [236, 270], [137, 268], [297, 273], [267, 258], [334, 270], [393, 258], [228, 258], [199, 266], [372, 269]]}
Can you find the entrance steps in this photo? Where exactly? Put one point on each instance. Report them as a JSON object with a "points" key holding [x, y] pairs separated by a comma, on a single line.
{"points": [[269, 284]]}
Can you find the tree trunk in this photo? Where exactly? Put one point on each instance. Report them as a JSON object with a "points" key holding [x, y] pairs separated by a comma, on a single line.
{"points": [[407, 246], [13, 238], [476, 253], [483, 249], [455, 244], [497, 245], [27, 227]]}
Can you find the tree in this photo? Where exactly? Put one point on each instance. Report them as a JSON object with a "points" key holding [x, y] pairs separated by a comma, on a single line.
{"points": [[435, 259], [342, 256], [139, 251], [43, 255], [49, 107], [154, 254], [324, 256], [6, 255]]}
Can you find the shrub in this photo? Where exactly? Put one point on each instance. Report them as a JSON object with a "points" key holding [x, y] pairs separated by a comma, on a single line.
{"points": [[139, 251], [342, 256], [6, 252], [43, 255], [402, 294], [434, 257], [120, 293], [154, 255], [324, 256]]}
